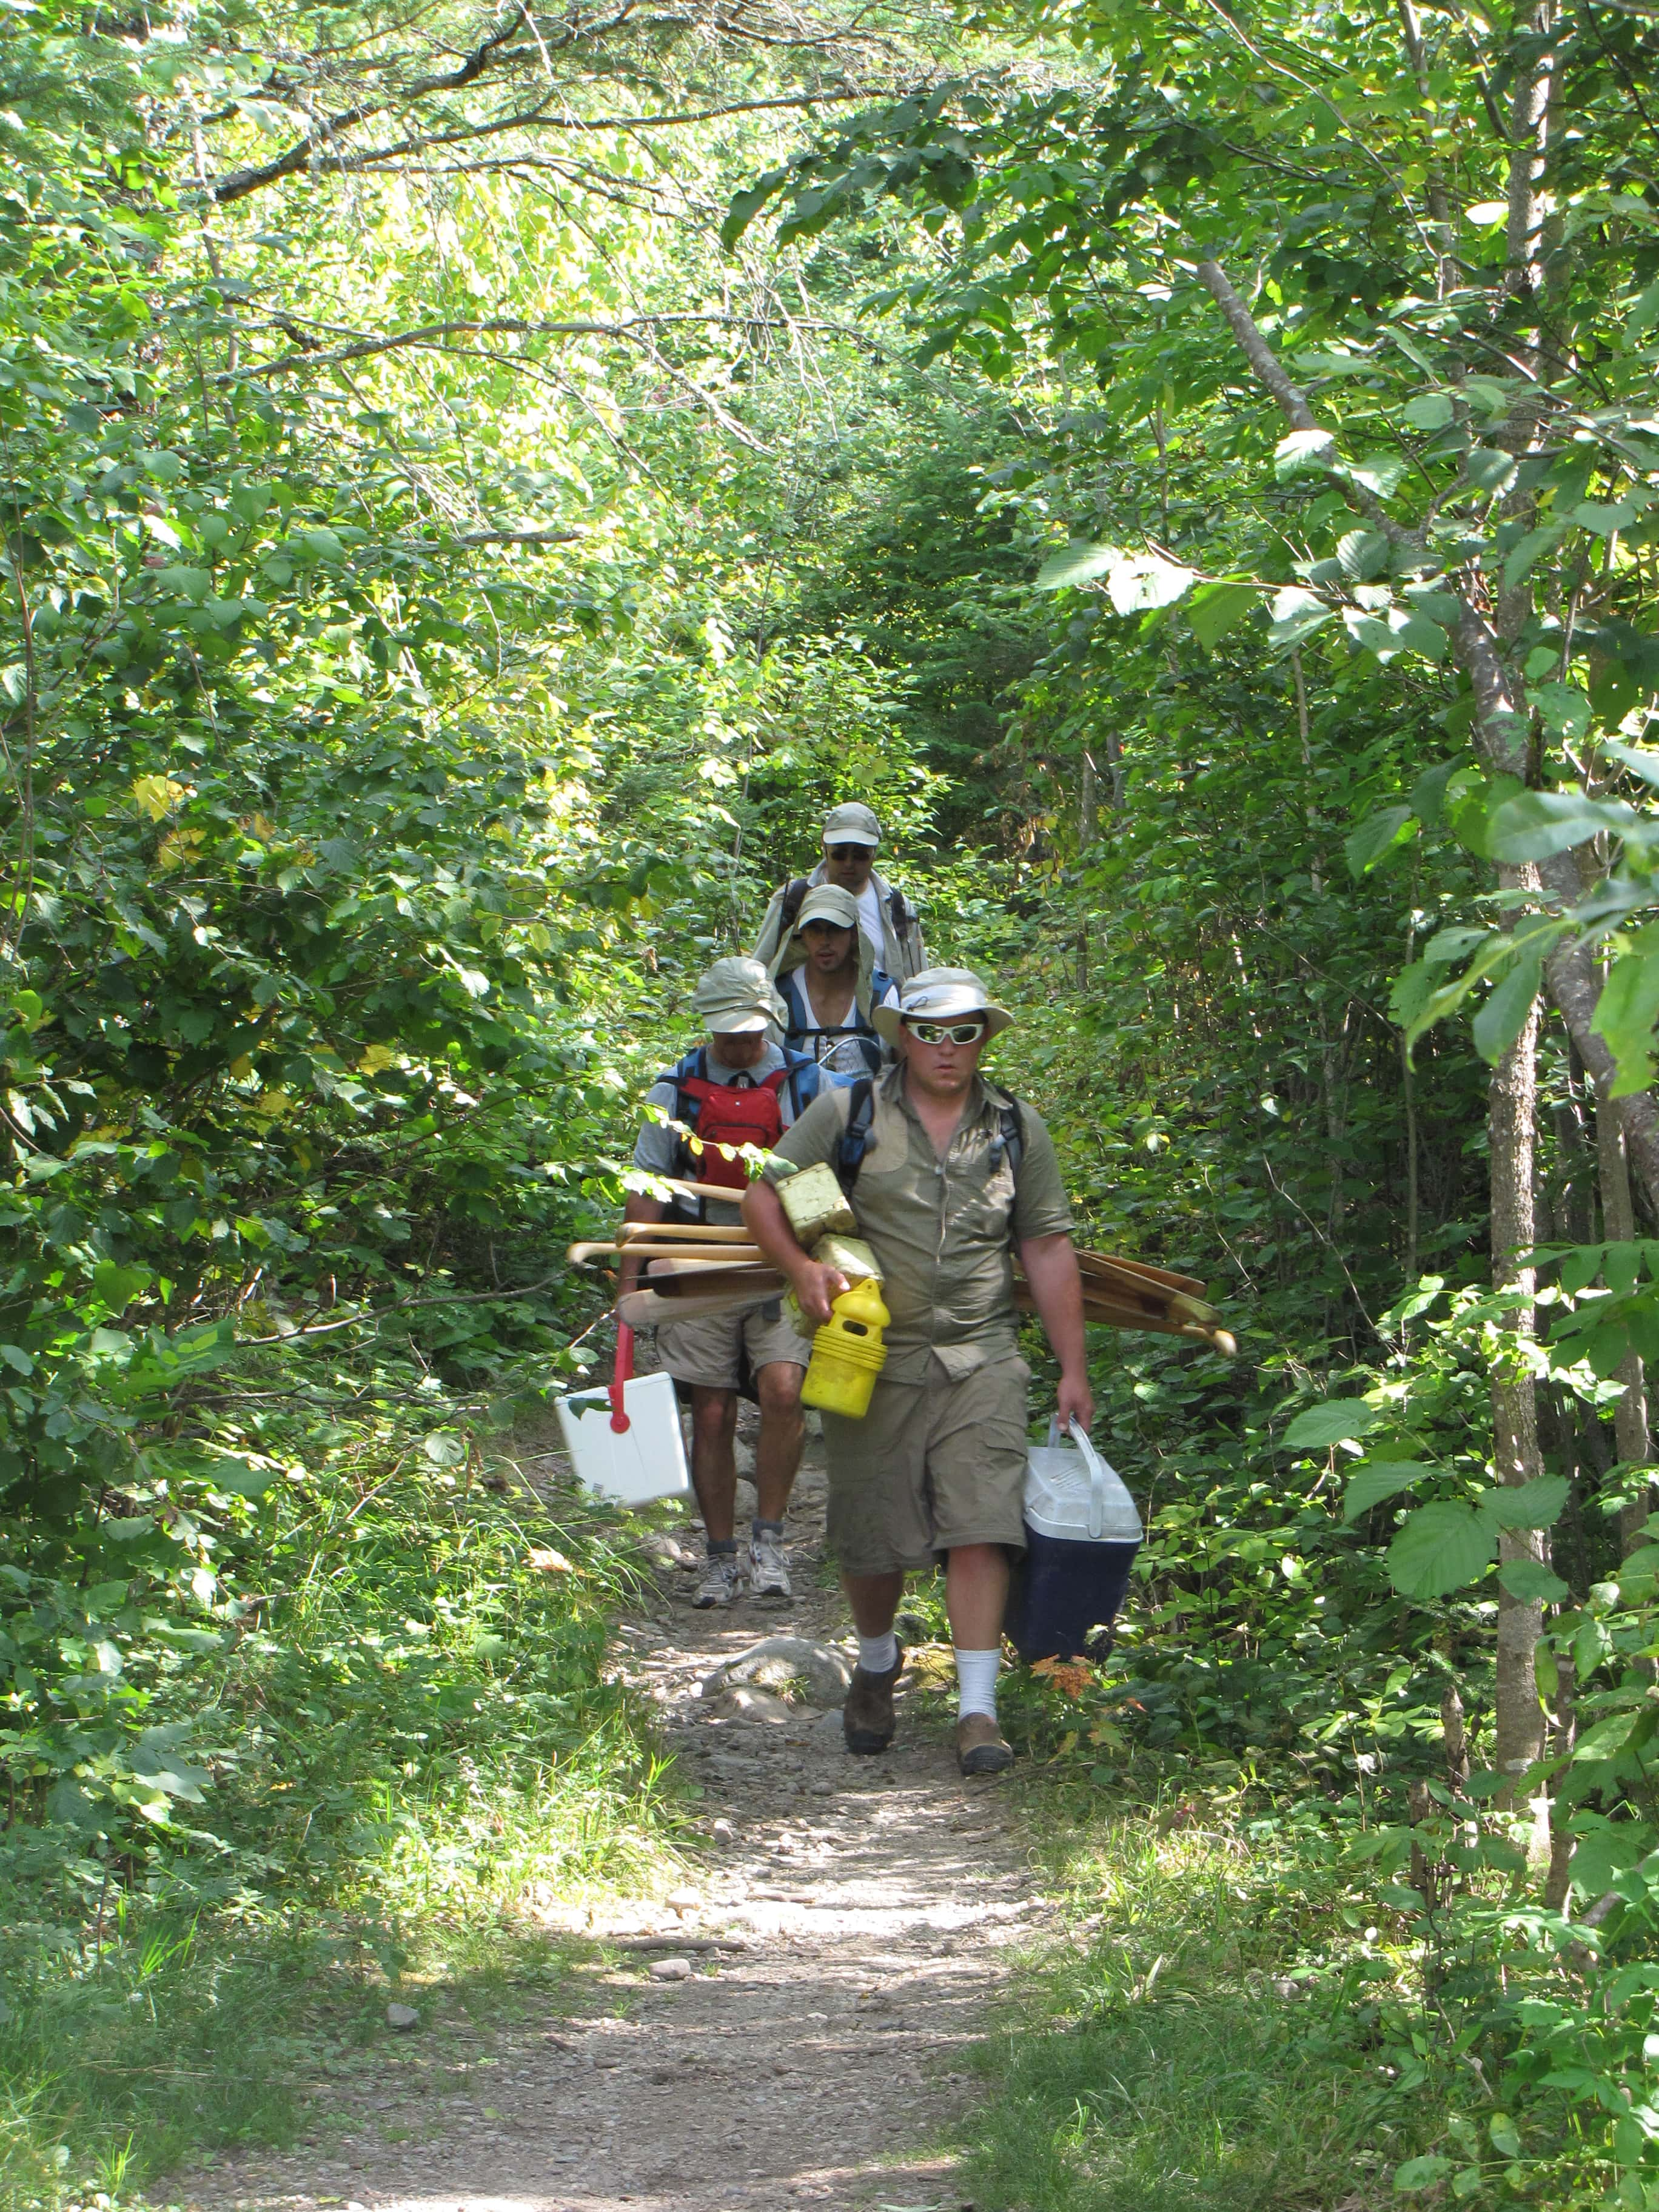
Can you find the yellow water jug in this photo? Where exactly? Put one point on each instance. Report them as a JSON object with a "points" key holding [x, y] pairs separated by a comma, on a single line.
{"points": [[848, 1353]]}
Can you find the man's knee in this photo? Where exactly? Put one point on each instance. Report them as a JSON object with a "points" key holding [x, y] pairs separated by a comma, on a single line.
{"points": [[714, 1413], [778, 1386]]}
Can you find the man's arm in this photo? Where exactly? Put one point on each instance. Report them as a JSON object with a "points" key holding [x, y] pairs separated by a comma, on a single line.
{"points": [[638, 1208], [814, 1285], [771, 929], [1051, 1269]]}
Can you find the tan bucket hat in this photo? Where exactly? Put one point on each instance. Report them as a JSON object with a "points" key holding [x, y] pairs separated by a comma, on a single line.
{"points": [[853, 823], [941, 994], [735, 998]]}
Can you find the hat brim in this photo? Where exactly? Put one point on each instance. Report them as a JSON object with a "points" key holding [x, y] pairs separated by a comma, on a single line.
{"points": [[850, 837], [890, 1020], [737, 1025]]}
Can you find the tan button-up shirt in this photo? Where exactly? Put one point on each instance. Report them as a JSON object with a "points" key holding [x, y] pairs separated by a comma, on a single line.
{"points": [[942, 1230]]}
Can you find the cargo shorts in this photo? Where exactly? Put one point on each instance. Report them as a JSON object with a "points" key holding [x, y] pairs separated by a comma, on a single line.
{"points": [[931, 1466], [708, 1353]]}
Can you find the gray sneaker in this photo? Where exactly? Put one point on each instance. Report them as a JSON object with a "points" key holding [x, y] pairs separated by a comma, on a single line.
{"points": [[724, 1576], [768, 1570]]}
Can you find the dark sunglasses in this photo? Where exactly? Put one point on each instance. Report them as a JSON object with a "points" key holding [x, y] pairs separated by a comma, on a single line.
{"points": [[847, 852], [943, 1032]]}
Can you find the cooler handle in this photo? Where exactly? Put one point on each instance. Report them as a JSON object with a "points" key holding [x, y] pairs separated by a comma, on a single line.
{"points": [[623, 1374], [1096, 1466]]}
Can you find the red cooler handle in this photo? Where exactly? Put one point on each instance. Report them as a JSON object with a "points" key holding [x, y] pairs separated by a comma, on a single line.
{"points": [[624, 1373]]}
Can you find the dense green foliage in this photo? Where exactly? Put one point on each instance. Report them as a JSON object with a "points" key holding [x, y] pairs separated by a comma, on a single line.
{"points": [[1191, 471]]}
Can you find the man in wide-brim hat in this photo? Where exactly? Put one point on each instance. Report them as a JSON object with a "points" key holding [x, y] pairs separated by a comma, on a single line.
{"points": [[948, 1177]]}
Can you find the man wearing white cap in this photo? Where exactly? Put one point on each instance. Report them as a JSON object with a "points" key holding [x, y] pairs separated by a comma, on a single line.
{"points": [[851, 835], [738, 1088], [948, 1177]]}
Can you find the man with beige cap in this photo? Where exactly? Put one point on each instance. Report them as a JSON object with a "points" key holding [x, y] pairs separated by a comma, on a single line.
{"points": [[827, 976], [851, 835], [948, 1177], [738, 1088]]}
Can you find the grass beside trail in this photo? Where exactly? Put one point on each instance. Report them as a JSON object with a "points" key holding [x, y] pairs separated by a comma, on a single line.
{"points": [[1220, 2041], [416, 1743]]}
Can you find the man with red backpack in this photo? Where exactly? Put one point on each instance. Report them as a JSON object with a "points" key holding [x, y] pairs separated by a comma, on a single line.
{"points": [[738, 1088]]}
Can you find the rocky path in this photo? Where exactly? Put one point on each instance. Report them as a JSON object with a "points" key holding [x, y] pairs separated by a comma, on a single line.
{"points": [[787, 2028]]}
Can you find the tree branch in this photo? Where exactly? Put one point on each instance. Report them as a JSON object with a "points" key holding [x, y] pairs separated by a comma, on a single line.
{"points": [[1501, 729]]}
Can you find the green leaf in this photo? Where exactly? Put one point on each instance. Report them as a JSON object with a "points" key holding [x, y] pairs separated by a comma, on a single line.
{"points": [[190, 583], [1607, 1738], [1363, 554], [1531, 1582], [1295, 615], [1370, 1485], [1429, 791], [1428, 410], [1565, 708], [1624, 1015], [1304, 453], [1534, 824], [1144, 582], [1214, 609], [1420, 2173], [745, 206], [1644, 764], [1486, 468], [1535, 1504], [1502, 1014], [1337, 1421], [118, 1287], [1382, 834], [1080, 563], [1442, 1546]]}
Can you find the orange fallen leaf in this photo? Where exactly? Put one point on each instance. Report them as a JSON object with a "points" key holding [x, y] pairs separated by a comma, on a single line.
{"points": [[1070, 1676], [549, 1562]]}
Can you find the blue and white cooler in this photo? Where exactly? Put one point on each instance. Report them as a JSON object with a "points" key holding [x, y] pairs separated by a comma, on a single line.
{"points": [[1082, 1533]]}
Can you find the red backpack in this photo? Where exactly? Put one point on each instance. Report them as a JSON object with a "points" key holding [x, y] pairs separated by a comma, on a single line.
{"points": [[725, 1113]]}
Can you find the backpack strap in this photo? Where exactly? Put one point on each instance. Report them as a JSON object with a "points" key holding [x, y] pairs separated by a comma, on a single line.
{"points": [[855, 1137], [794, 895], [897, 909], [1009, 1143]]}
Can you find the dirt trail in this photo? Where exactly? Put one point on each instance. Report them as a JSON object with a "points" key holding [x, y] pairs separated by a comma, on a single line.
{"points": [[851, 1924]]}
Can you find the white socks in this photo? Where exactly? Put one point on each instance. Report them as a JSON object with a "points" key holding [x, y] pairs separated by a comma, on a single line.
{"points": [[879, 1655], [976, 1682]]}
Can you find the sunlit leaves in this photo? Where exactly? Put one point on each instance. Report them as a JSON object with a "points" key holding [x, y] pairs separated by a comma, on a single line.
{"points": [[1442, 1546], [1335, 1422]]}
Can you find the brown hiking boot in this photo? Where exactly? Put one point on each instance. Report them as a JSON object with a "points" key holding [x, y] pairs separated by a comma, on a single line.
{"points": [[866, 1718], [980, 1746]]}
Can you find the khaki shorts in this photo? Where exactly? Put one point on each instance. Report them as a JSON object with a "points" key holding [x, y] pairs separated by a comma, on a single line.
{"points": [[932, 1465], [707, 1352]]}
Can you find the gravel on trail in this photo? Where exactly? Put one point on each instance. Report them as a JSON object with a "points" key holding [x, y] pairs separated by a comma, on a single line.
{"points": [[786, 2027]]}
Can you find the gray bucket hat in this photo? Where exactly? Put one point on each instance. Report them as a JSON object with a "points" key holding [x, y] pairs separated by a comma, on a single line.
{"points": [[941, 994], [735, 998], [853, 823], [827, 903]]}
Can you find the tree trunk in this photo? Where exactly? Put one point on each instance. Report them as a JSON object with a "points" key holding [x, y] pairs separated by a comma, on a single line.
{"points": [[1563, 1728], [1630, 1418], [1512, 1104]]}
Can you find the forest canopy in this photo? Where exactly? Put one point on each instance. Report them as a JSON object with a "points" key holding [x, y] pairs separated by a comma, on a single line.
{"points": [[478, 484]]}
